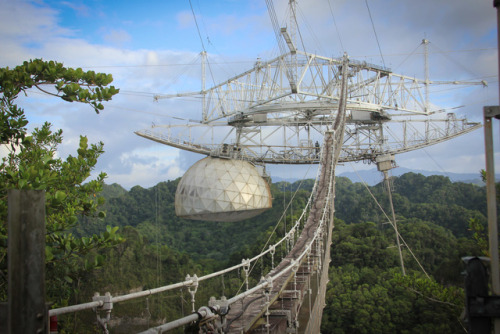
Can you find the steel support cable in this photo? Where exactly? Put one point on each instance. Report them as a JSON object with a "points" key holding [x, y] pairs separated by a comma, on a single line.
{"points": [[390, 222], [275, 24], [200, 314], [288, 234], [297, 223], [375, 32], [285, 207], [304, 212], [157, 225], [280, 273], [281, 44], [311, 31], [75, 308], [294, 14], [409, 55], [117, 299], [175, 79], [197, 27], [336, 28], [445, 54], [203, 46]]}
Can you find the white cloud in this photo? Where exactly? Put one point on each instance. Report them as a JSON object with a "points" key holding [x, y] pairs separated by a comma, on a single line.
{"points": [[117, 37], [185, 20], [147, 167], [29, 23], [29, 30], [80, 9]]}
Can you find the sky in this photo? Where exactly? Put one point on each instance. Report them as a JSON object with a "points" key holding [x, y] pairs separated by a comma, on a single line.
{"points": [[153, 47]]}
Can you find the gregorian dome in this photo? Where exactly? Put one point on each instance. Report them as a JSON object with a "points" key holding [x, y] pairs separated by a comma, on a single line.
{"points": [[225, 190]]}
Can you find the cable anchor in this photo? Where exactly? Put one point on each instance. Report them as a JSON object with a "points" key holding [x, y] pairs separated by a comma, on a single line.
{"points": [[192, 288], [246, 269], [107, 306], [291, 237], [295, 268], [266, 293], [272, 250]]}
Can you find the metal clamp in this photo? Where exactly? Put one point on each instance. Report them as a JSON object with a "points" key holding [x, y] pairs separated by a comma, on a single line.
{"points": [[272, 250], [107, 306], [192, 288], [246, 269], [491, 111]]}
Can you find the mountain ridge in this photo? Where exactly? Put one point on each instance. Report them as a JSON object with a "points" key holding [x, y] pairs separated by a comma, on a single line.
{"points": [[373, 176]]}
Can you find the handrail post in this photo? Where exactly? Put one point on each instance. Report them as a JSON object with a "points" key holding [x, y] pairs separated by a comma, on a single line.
{"points": [[27, 311], [491, 112]]}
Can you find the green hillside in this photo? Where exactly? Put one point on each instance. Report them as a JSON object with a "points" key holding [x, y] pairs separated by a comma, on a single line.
{"points": [[366, 293]]}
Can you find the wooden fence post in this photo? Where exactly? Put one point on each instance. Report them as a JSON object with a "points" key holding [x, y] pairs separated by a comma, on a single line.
{"points": [[27, 312]]}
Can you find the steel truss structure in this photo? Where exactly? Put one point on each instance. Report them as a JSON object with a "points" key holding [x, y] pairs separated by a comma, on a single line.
{"points": [[279, 110]]}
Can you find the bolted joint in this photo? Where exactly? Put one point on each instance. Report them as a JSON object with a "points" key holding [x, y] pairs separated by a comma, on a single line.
{"points": [[219, 306], [246, 264], [193, 287], [107, 303], [272, 248], [205, 313], [270, 283], [492, 111]]}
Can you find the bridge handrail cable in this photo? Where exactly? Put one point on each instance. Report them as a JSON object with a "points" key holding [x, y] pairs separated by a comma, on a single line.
{"points": [[265, 282], [188, 282]]}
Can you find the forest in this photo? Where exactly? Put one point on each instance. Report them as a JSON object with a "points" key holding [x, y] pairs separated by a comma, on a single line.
{"points": [[104, 238], [440, 222]]}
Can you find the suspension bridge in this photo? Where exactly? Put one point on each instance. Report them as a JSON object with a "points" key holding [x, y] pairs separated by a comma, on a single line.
{"points": [[291, 297]]}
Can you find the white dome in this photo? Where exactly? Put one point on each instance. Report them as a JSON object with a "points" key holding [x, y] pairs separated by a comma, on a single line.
{"points": [[215, 189]]}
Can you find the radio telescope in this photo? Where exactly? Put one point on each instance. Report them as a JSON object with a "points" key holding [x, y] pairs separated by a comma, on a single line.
{"points": [[278, 111]]}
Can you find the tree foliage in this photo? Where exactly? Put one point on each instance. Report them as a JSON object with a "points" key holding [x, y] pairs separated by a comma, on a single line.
{"points": [[72, 85], [33, 164], [367, 292]]}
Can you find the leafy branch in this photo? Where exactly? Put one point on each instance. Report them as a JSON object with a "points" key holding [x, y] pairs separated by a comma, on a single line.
{"points": [[33, 164], [71, 85]]}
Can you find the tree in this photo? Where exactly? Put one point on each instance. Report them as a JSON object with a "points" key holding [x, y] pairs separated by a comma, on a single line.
{"points": [[32, 164], [72, 85], [367, 293]]}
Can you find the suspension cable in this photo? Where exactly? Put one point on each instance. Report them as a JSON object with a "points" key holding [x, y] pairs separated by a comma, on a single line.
{"points": [[375, 32], [390, 221], [191, 282], [336, 28]]}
